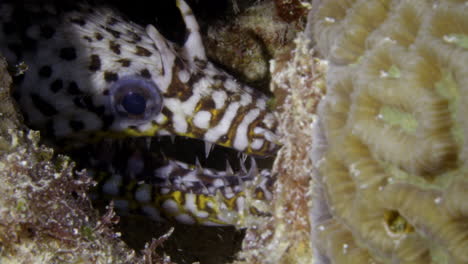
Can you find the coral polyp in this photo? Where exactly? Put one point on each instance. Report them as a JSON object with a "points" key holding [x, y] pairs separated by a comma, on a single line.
{"points": [[394, 166]]}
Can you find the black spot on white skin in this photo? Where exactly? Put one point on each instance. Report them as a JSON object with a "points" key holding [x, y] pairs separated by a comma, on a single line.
{"points": [[114, 47], [114, 32], [140, 51], [47, 31], [79, 21], [95, 63], [89, 39], [89, 104], [110, 76], [56, 85], [68, 53], [112, 21], [98, 36], [136, 38], [43, 106], [73, 89], [125, 62], [78, 102], [145, 73], [76, 125], [45, 71]]}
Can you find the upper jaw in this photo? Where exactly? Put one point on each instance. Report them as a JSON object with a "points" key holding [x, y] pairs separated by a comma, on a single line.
{"points": [[212, 106]]}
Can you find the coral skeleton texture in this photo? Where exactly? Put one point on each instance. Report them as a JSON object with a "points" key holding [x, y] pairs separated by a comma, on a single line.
{"points": [[373, 101], [393, 171]]}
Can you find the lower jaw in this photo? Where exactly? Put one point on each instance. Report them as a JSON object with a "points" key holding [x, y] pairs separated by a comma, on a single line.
{"points": [[172, 164]]}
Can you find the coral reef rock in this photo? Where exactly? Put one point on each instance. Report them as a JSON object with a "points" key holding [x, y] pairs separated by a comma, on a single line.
{"points": [[245, 44], [391, 153], [373, 102]]}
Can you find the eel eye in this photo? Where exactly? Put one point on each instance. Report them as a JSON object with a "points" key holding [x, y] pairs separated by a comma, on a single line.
{"points": [[134, 103], [135, 100]]}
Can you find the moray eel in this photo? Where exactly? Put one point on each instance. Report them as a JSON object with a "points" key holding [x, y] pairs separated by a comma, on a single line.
{"points": [[91, 75]]}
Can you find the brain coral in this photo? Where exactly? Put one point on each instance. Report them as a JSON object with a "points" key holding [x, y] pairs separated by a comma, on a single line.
{"points": [[393, 173]]}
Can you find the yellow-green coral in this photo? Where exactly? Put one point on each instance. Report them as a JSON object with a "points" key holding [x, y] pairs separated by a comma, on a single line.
{"points": [[394, 171]]}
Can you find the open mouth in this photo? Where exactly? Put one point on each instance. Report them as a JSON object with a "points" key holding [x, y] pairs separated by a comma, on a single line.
{"points": [[149, 175]]}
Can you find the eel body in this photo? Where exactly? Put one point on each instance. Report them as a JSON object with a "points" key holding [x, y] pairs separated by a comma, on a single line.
{"points": [[91, 75]]}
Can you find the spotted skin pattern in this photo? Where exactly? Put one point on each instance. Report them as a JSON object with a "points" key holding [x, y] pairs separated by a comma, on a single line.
{"points": [[75, 60]]}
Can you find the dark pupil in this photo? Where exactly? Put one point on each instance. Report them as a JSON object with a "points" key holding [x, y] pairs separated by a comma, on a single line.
{"points": [[134, 103]]}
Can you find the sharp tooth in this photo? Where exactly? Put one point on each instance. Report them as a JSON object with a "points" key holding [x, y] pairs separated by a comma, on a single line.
{"points": [[253, 167], [197, 163], [243, 157], [172, 138], [208, 148], [242, 164], [229, 170], [164, 158], [148, 143]]}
